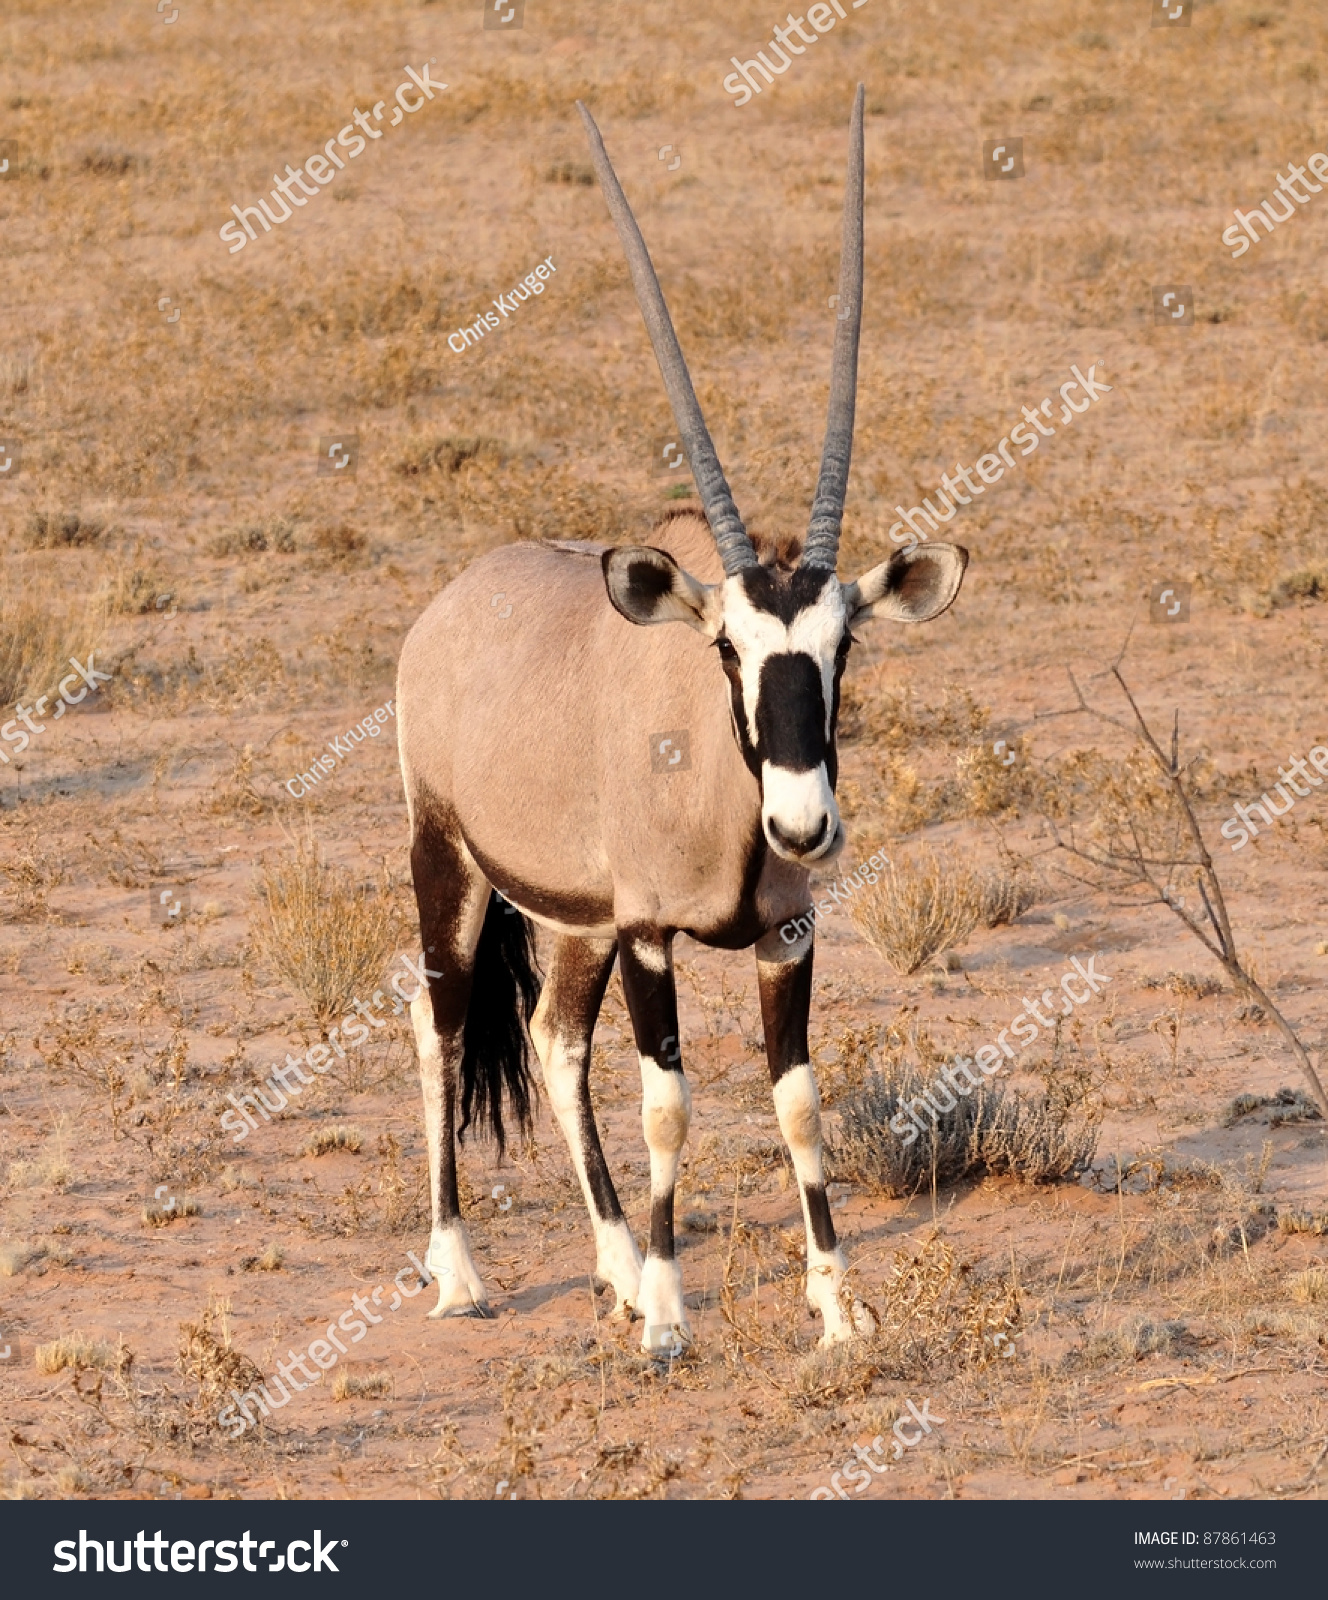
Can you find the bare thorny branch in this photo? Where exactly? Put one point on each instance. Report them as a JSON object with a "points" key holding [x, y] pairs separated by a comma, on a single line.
{"points": [[1134, 866]]}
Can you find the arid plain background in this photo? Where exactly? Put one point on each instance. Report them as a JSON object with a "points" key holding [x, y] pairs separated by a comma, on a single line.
{"points": [[1167, 1306]]}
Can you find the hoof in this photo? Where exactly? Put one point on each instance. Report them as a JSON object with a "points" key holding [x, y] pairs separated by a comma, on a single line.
{"points": [[460, 1289], [618, 1267], [666, 1341], [477, 1308], [623, 1310], [856, 1321]]}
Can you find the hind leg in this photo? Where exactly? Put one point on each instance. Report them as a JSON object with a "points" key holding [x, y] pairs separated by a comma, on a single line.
{"points": [[452, 896], [561, 1029]]}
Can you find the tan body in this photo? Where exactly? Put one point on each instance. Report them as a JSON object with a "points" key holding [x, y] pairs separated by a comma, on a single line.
{"points": [[523, 727]]}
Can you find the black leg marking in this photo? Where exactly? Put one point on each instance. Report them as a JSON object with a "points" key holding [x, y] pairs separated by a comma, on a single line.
{"points": [[441, 880], [579, 971], [786, 1003], [661, 1226], [818, 1216]]}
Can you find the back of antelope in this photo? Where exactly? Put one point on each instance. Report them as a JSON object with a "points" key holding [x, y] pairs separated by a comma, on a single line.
{"points": [[528, 737]]}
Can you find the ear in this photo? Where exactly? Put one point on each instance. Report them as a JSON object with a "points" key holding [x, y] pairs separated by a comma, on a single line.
{"points": [[647, 585], [914, 585]]}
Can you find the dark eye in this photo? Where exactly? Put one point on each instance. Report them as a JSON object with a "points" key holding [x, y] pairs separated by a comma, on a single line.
{"points": [[726, 650]]}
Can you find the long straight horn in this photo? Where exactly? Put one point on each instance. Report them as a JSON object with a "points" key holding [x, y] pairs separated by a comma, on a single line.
{"points": [[822, 547], [735, 548]]}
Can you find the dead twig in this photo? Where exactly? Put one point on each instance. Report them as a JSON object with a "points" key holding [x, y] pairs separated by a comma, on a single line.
{"points": [[1133, 866]]}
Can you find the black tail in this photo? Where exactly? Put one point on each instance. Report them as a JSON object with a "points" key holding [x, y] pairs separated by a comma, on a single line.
{"points": [[495, 1054]]}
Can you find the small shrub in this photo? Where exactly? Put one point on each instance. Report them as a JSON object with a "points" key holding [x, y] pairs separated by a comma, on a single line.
{"points": [[919, 907], [237, 796], [207, 1358], [252, 538], [1309, 583], [61, 530], [271, 1260], [326, 1140], [136, 589], [104, 163], [1041, 1139], [1287, 1105], [339, 542], [990, 782]]}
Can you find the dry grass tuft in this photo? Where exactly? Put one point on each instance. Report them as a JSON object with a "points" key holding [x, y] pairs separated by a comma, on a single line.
{"points": [[921, 906], [340, 543], [570, 172], [1309, 1287], [159, 1216], [1005, 896], [50, 1169], [78, 1351], [41, 627], [1187, 985], [1315, 1223], [252, 538], [325, 1140], [327, 936], [447, 455], [1137, 1337], [347, 1386], [238, 796], [271, 1260]]}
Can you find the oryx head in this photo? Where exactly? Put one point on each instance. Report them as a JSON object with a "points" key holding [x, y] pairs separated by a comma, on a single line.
{"points": [[782, 635]]}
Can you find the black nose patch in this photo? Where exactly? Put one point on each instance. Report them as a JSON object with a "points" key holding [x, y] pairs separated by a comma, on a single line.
{"points": [[790, 713]]}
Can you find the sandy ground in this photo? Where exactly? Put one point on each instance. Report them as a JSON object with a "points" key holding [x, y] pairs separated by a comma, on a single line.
{"points": [[1168, 1330]]}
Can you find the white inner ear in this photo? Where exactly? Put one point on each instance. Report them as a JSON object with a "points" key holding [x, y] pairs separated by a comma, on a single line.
{"points": [[912, 586], [700, 605]]}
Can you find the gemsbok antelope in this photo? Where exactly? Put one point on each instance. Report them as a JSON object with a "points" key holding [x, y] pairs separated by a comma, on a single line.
{"points": [[527, 732]]}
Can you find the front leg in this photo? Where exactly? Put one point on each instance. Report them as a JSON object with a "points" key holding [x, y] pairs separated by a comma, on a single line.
{"points": [[784, 977], [646, 957]]}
